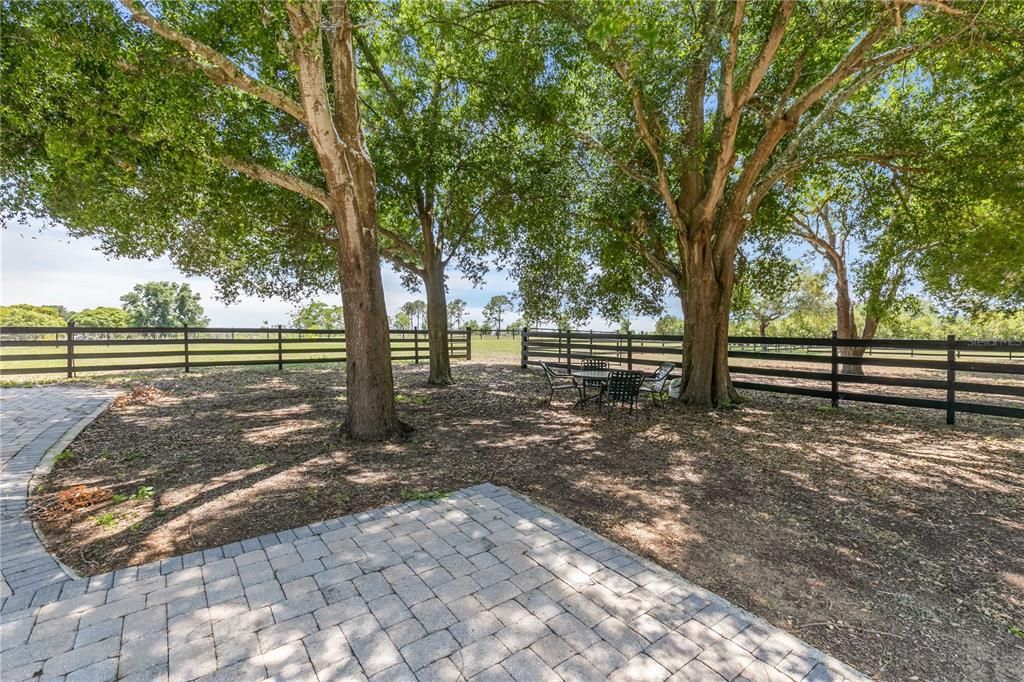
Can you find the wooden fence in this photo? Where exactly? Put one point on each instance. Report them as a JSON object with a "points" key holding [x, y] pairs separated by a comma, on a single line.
{"points": [[941, 370], [74, 350]]}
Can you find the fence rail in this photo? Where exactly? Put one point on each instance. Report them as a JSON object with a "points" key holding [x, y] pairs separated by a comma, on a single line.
{"points": [[812, 366], [74, 350]]}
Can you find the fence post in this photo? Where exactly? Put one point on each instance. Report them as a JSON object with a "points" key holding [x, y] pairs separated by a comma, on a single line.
{"points": [[835, 370], [71, 349], [469, 343], [280, 354], [568, 349], [524, 354], [185, 338], [951, 379], [629, 350], [416, 345]]}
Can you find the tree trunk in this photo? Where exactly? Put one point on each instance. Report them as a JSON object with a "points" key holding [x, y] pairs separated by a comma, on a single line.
{"points": [[369, 381], [437, 324], [846, 324], [706, 297], [762, 328]]}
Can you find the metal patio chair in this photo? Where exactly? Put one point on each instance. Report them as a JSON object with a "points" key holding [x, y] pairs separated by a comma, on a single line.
{"points": [[592, 364], [624, 388], [558, 381], [657, 384]]}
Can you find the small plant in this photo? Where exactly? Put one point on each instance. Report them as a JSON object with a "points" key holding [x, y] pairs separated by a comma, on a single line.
{"points": [[118, 498], [1016, 631], [106, 519], [65, 456], [416, 495], [145, 492]]}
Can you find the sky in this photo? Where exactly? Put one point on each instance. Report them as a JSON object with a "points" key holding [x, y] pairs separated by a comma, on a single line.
{"points": [[44, 266]]}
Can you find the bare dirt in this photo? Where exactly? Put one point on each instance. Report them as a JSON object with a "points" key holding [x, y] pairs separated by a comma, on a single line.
{"points": [[879, 534]]}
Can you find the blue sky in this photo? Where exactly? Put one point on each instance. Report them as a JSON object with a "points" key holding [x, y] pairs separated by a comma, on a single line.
{"points": [[47, 267]]}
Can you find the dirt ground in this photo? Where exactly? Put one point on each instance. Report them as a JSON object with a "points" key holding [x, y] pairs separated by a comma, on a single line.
{"points": [[878, 534]]}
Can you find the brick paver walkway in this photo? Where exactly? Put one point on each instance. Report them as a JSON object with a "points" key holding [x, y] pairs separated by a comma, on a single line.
{"points": [[481, 585], [32, 422]]}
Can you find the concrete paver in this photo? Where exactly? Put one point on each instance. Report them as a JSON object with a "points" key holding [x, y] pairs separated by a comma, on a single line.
{"points": [[483, 584]]}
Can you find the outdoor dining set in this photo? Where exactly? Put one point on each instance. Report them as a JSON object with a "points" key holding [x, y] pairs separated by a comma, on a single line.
{"points": [[593, 381]]}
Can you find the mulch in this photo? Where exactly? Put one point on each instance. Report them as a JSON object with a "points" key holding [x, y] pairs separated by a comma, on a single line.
{"points": [[879, 534]]}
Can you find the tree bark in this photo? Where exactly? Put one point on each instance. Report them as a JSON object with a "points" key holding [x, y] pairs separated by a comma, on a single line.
{"points": [[335, 130], [437, 324], [705, 295], [369, 381]]}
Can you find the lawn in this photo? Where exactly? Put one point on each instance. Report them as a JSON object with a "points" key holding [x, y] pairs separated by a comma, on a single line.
{"points": [[880, 535], [265, 349]]}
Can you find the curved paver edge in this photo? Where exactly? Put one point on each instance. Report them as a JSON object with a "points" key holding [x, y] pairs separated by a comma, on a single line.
{"points": [[45, 466]]}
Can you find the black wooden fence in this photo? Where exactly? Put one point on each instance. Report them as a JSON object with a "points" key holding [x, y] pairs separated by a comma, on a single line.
{"points": [[73, 350], [952, 366]]}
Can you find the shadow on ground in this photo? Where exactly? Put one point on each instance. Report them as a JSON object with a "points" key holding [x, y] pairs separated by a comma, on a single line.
{"points": [[881, 535]]}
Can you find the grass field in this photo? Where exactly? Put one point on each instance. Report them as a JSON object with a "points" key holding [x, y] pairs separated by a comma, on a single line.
{"points": [[51, 358]]}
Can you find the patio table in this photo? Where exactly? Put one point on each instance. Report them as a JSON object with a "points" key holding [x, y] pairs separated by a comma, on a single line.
{"points": [[597, 376]]}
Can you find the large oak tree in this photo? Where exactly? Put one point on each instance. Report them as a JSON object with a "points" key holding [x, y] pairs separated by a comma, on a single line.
{"points": [[708, 107], [227, 135]]}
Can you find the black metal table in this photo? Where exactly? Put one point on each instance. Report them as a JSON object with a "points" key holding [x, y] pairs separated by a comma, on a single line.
{"points": [[592, 376]]}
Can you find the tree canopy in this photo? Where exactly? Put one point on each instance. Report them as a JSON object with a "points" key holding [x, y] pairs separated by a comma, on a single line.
{"points": [[163, 304], [318, 315], [104, 316]]}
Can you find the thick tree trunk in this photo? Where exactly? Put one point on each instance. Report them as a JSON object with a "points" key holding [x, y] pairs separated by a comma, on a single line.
{"points": [[437, 324], [706, 295], [369, 380]]}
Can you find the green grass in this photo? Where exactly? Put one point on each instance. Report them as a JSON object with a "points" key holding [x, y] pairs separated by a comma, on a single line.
{"points": [[106, 519], [172, 352], [490, 348]]}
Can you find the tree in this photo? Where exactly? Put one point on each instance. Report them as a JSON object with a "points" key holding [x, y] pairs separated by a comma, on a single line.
{"points": [[699, 112], [163, 304], [415, 311], [318, 315], [762, 299], [938, 217], [25, 315], [495, 310], [103, 316], [456, 312], [226, 135], [402, 320], [453, 169], [668, 324]]}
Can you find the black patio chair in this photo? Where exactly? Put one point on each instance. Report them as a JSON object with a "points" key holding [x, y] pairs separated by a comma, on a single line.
{"points": [[592, 364], [657, 384], [558, 381], [624, 388]]}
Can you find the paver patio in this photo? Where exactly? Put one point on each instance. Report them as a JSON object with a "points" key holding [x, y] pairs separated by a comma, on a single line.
{"points": [[483, 584]]}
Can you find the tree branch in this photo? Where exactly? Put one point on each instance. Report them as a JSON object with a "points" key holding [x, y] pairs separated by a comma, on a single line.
{"points": [[783, 13], [371, 59], [400, 243], [277, 178], [396, 258], [219, 68]]}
